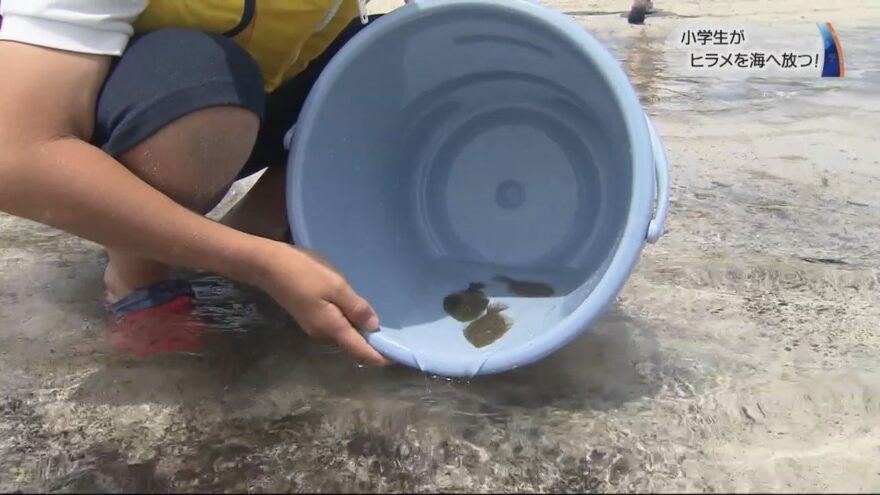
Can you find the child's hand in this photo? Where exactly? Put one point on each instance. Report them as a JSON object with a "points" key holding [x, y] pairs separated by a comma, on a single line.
{"points": [[322, 301]]}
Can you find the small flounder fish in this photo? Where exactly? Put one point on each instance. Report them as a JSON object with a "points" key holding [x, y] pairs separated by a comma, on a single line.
{"points": [[525, 288], [468, 304], [490, 327]]}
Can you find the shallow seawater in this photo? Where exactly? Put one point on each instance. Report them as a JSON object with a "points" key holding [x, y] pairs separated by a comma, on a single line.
{"points": [[262, 406], [706, 375]]}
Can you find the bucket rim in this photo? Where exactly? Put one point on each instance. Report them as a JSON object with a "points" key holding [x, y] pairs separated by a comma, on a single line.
{"points": [[629, 246]]}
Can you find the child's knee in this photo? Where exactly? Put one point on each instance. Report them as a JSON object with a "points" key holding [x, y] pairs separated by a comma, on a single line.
{"points": [[181, 109], [195, 158]]}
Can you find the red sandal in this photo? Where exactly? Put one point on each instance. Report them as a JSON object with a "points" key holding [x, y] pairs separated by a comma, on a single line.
{"points": [[156, 319]]}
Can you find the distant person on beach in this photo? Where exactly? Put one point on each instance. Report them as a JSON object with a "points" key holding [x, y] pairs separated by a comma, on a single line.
{"points": [[123, 122], [640, 9]]}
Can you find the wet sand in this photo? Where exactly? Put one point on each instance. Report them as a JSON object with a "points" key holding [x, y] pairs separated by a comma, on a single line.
{"points": [[742, 355]]}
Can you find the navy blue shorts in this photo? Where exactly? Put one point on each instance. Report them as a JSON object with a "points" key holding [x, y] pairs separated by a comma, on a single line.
{"points": [[168, 73]]}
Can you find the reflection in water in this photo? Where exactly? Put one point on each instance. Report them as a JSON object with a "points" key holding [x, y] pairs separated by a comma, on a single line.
{"points": [[643, 61]]}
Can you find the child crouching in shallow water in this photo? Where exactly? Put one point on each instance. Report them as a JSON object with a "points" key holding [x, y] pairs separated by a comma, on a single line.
{"points": [[125, 122]]}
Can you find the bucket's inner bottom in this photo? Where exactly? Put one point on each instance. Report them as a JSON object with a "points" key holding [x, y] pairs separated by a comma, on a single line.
{"points": [[514, 183], [445, 297]]}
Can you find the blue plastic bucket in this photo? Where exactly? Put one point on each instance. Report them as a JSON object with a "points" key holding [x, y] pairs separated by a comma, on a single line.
{"points": [[485, 144]]}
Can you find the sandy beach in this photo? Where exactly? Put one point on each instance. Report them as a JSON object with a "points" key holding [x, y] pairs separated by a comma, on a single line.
{"points": [[743, 355]]}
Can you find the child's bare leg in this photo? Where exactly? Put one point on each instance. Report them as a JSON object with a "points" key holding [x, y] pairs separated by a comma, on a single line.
{"points": [[193, 160]]}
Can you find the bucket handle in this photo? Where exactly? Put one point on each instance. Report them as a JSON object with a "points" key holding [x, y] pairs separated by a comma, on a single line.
{"points": [[661, 176]]}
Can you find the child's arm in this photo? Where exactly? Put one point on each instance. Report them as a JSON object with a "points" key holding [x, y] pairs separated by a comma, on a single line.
{"points": [[49, 173]]}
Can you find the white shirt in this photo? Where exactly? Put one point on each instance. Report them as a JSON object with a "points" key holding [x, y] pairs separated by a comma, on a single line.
{"points": [[101, 27], [88, 26]]}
